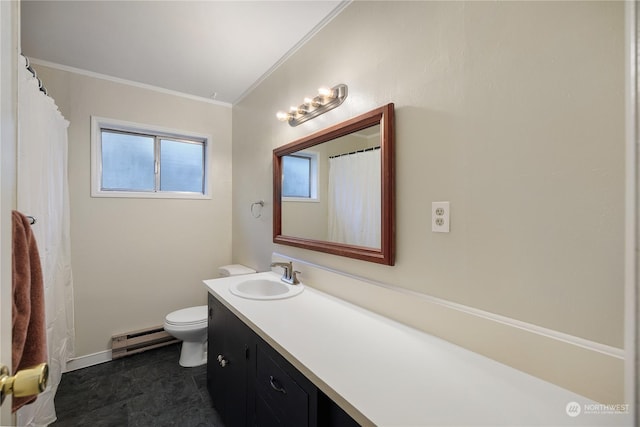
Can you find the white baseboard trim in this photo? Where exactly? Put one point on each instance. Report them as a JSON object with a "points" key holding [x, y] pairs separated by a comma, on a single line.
{"points": [[88, 360]]}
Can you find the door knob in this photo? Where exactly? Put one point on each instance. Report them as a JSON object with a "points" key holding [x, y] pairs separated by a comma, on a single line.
{"points": [[26, 382]]}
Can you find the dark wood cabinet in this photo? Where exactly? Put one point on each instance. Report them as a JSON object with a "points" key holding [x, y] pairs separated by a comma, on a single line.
{"points": [[252, 385], [283, 396], [228, 358]]}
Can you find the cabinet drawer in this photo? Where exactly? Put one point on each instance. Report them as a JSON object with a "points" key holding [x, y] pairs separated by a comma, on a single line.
{"points": [[280, 392]]}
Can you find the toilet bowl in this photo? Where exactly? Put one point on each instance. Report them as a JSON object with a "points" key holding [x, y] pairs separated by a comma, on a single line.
{"points": [[190, 326]]}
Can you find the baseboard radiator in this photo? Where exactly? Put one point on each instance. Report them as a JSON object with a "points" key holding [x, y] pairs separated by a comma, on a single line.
{"points": [[138, 341]]}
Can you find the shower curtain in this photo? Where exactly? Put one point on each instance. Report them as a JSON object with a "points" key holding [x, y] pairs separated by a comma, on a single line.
{"points": [[354, 199], [42, 192]]}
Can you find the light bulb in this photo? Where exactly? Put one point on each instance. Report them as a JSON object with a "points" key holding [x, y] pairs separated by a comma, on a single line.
{"points": [[282, 116], [326, 92], [312, 102]]}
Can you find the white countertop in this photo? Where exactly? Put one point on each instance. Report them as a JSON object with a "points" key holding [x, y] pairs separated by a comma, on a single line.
{"points": [[387, 374]]}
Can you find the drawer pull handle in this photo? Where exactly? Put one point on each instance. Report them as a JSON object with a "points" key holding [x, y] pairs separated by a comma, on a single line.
{"points": [[276, 386]]}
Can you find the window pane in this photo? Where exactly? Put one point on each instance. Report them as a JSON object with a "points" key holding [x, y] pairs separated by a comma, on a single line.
{"points": [[296, 173], [181, 166], [127, 162]]}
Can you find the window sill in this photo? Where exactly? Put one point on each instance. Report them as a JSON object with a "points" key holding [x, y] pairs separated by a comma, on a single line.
{"points": [[150, 195], [300, 199]]}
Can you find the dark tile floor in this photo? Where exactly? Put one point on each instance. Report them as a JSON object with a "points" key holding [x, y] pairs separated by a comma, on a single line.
{"points": [[146, 389]]}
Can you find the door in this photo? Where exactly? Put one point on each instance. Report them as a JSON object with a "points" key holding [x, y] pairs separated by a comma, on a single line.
{"points": [[9, 30]]}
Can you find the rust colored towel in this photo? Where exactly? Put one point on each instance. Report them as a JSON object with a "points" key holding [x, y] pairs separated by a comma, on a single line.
{"points": [[29, 330]]}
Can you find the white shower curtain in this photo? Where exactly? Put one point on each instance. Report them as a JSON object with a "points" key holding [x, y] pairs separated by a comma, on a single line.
{"points": [[42, 192], [354, 199]]}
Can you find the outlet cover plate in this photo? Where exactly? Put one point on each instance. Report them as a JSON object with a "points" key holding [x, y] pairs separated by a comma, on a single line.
{"points": [[440, 217]]}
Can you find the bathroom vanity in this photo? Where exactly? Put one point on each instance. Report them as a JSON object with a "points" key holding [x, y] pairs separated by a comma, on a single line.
{"points": [[315, 360], [251, 384]]}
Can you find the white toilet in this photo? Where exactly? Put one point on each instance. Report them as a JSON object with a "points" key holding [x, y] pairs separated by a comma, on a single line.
{"points": [[190, 324]]}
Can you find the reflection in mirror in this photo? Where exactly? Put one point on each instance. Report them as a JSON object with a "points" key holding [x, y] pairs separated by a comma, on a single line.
{"points": [[333, 191], [344, 207]]}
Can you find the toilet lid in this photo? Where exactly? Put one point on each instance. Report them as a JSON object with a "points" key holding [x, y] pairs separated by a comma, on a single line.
{"points": [[188, 316]]}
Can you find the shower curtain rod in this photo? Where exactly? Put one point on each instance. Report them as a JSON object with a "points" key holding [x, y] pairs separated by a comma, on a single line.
{"points": [[354, 152], [35, 75]]}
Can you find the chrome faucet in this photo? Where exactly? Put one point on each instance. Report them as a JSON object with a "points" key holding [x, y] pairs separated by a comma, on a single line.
{"points": [[288, 276]]}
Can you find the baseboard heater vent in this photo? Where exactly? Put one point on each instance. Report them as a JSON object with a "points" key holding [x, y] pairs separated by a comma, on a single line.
{"points": [[139, 341]]}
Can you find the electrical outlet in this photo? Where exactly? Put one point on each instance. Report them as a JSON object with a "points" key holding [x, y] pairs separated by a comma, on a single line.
{"points": [[440, 217]]}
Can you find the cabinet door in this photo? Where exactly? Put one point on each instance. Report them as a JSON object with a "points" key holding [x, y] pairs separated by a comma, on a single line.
{"points": [[283, 396], [228, 346], [215, 347]]}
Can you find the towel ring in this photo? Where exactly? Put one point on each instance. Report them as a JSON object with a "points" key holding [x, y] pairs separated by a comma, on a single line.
{"points": [[257, 213]]}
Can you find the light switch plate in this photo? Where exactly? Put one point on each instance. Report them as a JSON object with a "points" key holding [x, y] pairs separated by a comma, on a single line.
{"points": [[440, 217]]}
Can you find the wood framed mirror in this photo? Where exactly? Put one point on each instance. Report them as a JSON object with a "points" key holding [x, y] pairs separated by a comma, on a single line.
{"points": [[333, 191]]}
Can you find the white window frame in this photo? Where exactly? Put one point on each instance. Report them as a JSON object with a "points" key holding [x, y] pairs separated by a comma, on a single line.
{"points": [[314, 156], [100, 123]]}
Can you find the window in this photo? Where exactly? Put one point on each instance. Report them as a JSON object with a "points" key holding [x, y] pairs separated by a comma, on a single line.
{"points": [[131, 160], [297, 172], [300, 176]]}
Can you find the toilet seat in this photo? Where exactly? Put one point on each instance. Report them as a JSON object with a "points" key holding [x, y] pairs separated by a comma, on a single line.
{"points": [[192, 316]]}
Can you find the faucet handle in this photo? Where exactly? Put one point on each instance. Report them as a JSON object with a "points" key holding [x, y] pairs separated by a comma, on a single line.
{"points": [[294, 277]]}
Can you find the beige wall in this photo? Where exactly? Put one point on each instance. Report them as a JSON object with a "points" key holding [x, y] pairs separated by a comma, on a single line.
{"points": [[513, 112], [135, 260]]}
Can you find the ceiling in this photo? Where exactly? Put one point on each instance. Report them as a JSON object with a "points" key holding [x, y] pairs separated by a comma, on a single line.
{"points": [[211, 49]]}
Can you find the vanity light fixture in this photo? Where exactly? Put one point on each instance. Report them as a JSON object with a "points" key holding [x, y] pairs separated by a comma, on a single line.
{"points": [[327, 99]]}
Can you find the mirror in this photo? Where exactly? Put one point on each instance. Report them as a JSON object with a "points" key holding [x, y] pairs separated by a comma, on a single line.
{"points": [[333, 191]]}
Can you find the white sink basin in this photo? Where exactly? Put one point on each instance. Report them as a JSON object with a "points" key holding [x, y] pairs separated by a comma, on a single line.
{"points": [[265, 289]]}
